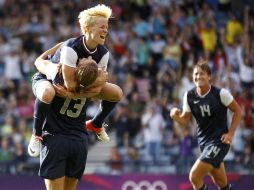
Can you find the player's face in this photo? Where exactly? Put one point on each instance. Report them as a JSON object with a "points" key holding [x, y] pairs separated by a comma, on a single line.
{"points": [[200, 77], [99, 30]]}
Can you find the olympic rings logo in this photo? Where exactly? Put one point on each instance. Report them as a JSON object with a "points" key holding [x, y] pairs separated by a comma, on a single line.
{"points": [[144, 185]]}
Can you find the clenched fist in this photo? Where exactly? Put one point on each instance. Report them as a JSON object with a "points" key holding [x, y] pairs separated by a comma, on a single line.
{"points": [[175, 112]]}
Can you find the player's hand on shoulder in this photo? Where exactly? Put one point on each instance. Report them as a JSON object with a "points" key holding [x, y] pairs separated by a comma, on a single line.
{"points": [[63, 92], [91, 92]]}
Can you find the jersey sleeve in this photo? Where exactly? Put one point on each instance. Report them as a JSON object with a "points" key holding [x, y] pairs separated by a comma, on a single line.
{"points": [[103, 64], [68, 56], [186, 107], [226, 97]]}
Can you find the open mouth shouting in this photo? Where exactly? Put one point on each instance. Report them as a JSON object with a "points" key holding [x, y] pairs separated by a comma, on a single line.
{"points": [[103, 37]]}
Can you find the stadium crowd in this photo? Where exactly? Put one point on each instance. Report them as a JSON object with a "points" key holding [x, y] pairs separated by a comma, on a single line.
{"points": [[153, 45]]}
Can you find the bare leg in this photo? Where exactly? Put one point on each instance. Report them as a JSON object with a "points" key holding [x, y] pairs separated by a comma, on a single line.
{"points": [[110, 92], [70, 183], [110, 95], [45, 92], [219, 176], [198, 171], [55, 184]]}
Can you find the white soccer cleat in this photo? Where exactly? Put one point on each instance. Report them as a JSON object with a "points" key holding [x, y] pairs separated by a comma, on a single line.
{"points": [[34, 146], [102, 135], [100, 132]]}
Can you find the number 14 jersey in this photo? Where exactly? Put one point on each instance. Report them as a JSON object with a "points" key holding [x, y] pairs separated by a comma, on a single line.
{"points": [[210, 112]]}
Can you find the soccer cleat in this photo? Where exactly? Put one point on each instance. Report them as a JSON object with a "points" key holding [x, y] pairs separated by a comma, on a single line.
{"points": [[100, 132], [228, 187], [205, 187], [34, 146]]}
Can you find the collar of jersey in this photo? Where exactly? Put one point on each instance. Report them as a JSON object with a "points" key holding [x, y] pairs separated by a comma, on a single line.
{"points": [[202, 96], [91, 52]]}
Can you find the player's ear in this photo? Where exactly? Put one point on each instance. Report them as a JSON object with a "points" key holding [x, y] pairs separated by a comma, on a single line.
{"points": [[209, 78], [86, 29]]}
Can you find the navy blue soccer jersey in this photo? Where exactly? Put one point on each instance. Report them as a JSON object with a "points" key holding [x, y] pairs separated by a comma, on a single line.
{"points": [[210, 112], [74, 49], [67, 117]]}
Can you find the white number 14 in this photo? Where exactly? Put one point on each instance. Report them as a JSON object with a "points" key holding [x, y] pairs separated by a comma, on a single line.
{"points": [[205, 109]]}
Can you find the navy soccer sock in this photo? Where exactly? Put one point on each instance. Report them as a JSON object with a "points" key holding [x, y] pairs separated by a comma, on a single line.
{"points": [[103, 112], [40, 111], [228, 187], [204, 187]]}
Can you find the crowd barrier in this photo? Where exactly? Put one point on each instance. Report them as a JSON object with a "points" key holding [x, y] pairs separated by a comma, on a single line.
{"points": [[125, 182]]}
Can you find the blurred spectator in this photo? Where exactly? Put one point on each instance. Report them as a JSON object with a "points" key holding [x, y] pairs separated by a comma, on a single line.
{"points": [[208, 36], [19, 159], [115, 161], [245, 103], [5, 155], [234, 29], [157, 22], [153, 124], [186, 83], [141, 27], [172, 54], [186, 154], [157, 45], [3, 107], [7, 128], [12, 65]]}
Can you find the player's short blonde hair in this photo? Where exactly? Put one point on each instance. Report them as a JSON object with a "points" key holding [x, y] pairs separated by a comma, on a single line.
{"points": [[87, 16]]}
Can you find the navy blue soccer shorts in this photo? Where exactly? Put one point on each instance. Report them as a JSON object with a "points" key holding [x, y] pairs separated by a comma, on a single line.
{"points": [[62, 156], [214, 153], [37, 78]]}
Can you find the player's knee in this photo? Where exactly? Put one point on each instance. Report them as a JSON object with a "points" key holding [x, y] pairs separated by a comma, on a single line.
{"points": [[47, 94], [220, 182], [194, 178], [119, 94]]}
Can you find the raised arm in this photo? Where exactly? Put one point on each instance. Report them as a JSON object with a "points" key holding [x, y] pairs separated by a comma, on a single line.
{"points": [[50, 69], [68, 76], [184, 117], [181, 118], [45, 66], [68, 60]]}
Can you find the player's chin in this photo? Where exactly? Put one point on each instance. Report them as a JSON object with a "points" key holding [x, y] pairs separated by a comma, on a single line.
{"points": [[101, 42], [199, 84]]}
